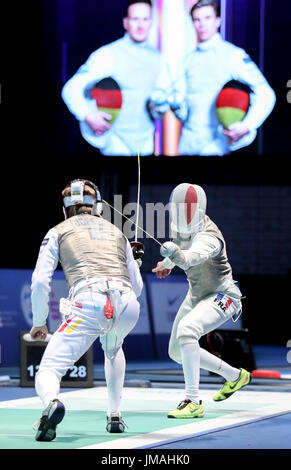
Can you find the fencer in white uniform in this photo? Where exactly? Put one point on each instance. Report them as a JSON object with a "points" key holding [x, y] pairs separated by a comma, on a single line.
{"points": [[135, 65], [199, 249], [104, 282]]}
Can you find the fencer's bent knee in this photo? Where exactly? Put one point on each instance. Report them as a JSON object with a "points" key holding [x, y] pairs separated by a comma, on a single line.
{"points": [[54, 372], [111, 354], [174, 347], [185, 330], [187, 340], [110, 345]]}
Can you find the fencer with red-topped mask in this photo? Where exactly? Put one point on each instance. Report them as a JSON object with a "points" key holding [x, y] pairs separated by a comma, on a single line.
{"points": [[199, 249], [104, 283]]}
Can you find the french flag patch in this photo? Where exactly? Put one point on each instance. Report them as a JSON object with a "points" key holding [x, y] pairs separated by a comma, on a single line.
{"points": [[223, 301]]}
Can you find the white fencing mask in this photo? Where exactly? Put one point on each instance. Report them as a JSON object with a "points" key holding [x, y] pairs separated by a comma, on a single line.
{"points": [[187, 208]]}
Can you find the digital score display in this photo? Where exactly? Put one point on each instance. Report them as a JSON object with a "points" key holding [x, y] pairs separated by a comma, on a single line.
{"points": [[31, 352]]}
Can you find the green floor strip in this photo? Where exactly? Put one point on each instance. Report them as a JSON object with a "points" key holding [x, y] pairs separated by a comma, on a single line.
{"points": [[81, 428]]}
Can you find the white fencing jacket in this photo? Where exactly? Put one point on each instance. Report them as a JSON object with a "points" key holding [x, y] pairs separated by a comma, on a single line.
{"points": [[135, 67], [206, 70], [47, 263]]}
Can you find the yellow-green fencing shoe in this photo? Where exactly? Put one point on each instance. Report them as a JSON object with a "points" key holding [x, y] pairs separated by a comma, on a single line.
{"points": [[187, 409], [230, 387]]}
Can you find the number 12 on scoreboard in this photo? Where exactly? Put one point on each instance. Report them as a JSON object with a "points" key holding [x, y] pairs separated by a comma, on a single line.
{"points": [[76, 371]]}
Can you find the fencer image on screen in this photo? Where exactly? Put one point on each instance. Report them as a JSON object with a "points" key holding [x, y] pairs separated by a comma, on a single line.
{"points": [[108, 93], [196, 92]]}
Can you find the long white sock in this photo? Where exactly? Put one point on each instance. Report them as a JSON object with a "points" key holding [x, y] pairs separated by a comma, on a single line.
{"points": [[47, 386], [214, 364], [190, 353], [114, 374]]}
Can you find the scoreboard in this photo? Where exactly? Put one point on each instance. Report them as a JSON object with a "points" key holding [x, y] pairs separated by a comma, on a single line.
{"points": [[31, 352]]}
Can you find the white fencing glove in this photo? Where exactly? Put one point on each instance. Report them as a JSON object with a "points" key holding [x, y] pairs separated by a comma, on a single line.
{"points": [[157, 104], [167, 249], [178, 105], [174, 253]]}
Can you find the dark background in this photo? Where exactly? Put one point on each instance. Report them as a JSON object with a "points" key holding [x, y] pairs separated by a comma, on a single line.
{"points": [[42, 149]]}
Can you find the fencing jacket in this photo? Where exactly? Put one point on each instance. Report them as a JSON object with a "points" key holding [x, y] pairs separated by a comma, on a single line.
{"points": [[87, 247], [204, 260], [206, 70], [135, 67]]}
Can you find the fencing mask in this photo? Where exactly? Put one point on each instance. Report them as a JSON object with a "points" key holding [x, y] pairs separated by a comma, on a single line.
{"points": [[187, 208]]}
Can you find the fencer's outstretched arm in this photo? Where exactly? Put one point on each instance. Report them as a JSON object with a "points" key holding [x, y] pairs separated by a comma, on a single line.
{"points": [[204, 246], [42, 275], [133, 270]]}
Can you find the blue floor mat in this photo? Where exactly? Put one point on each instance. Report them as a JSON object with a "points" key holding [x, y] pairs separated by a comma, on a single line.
{"points": [[271, 433]]}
